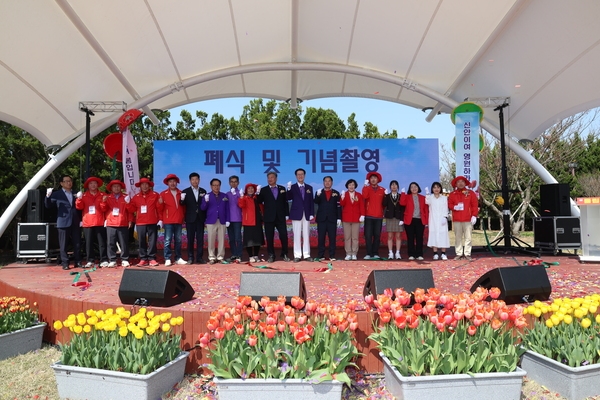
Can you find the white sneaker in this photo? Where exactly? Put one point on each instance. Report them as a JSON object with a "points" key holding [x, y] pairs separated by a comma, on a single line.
{"points": [[376, 257], [367, 257], [167, 263], [411, 258], [104, 264], [391, 255], [420, 258], [444, 257], [89, 264], [181, 261], [436, 256], [125, 263], [398, 256], [354, 258], [112, 264], [348, 257]]}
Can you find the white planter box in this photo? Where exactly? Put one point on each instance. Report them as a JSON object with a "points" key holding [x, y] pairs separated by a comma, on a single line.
{"points": [[98, 384], [572, 383], [275, 389], [22, 341], [489, 386]]}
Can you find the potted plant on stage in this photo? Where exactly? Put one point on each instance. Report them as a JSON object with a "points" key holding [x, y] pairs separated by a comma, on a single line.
{"points": [[20, 328], [562, 346], [281, 352], [111, 351], [448, 346]]}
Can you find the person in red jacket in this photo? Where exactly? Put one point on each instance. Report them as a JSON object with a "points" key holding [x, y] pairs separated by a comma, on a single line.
{"points": [[373, 195], [254, 237], [118, 221], [172, 214], [93, 221], [145, 206], [416, 217], [464, 205], [353, 213]]}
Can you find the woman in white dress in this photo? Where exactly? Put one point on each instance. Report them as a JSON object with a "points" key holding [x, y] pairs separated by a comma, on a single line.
{"points": [[438, 221]]}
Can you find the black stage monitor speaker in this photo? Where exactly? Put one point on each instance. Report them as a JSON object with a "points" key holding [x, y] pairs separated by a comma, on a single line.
{"points": [[272, 284], [159, 287], [408, 279], [517, 284], [555, 200], [36, 210]]}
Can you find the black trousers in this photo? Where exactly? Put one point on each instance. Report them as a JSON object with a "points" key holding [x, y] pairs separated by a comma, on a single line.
{"points": [[328, 229], [95, 234], [118, 234], [270, 236], [71, 234], [195, 231], [373, 235], [147, 235], [414, 235]]}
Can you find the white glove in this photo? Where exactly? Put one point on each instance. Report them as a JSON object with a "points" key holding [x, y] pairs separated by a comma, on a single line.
{"points": [[182, 196], [387, 191], [241, 193], [444, 221], [289, 185], [206, 197], [79, 195], [232, 190], [319, 192], [400, 222], [473, 220], [286, 218], [339, 223], [427, 190], [311, 217], [366, 182], [127, 199], [48, 192], [227, 224], [258, 189], [160, 224], [105, 223], [403, 190], [361, 219], [343, 194], [81, 224]]}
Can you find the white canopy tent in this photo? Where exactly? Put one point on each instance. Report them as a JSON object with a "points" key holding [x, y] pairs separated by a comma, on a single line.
{"points": [[155, 54]]}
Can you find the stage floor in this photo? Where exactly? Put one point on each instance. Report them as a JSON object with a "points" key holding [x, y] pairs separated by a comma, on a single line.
{"points": [[217, 284]]}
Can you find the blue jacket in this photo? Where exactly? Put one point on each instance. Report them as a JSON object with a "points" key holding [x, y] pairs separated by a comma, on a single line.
{"points": [[216, 207], [67, 215], [301, 207]]}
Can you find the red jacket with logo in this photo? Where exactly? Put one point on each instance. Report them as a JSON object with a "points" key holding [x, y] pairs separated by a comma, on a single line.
{"points": [[470, 205], [171, 211], [148, 199], [373, 201], [406, 200], [123, 216], [352, 211], [92, 214]]}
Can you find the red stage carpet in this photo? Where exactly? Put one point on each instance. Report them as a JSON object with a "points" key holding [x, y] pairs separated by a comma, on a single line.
{"points": [[216, 284]]}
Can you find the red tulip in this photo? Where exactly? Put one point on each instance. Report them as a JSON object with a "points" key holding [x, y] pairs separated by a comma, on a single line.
{"points": [[204, 340], [239, 329], [270, 331], [471, 330], [220, 333], [252, 340]]}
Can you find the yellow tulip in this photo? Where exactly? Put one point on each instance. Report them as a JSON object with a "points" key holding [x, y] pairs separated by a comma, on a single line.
{"points": [[121, 324], [530, 309], [166, 327], [77, 329], [139, 334], [109, 327], [585, 323], [555, 320], [119, 310], [109, 311], [92, 320], [593, 308], [549, 323], [143, 323], [71, 317], [99, 313], [555, 307], [150, 314], [58, 325], [173, 321], [578, 313], [537, 312], [568, 319], [164, 317], [142, 311], [598, 318], [150, 330], [87, 328], [537, 303], [90, 312], [123, 331], [180, 320]]}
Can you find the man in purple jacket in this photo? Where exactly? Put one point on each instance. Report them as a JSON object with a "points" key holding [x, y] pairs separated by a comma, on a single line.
{"points": [[216, 206], [234, 231], [302, 211]]}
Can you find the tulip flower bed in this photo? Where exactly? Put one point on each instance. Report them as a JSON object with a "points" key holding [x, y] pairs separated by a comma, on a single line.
{"points": [[447, 334], [281, 342], [16, 313], [115, 340]]}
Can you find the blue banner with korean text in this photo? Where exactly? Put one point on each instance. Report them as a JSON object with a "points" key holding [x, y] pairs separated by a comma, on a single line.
{"points": [[404, 160]]}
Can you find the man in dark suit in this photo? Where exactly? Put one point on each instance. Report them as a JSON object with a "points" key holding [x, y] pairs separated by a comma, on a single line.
{"points": [[274, 199], [302, 211], [194, 218], [68, 220], [329, 216]]}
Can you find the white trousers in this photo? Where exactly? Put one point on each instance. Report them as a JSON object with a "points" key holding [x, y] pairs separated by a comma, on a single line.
{"points": [[462, 240], [301, 231]]}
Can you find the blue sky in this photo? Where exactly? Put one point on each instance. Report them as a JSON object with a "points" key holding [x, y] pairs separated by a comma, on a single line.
{"points": [[386, 115]]}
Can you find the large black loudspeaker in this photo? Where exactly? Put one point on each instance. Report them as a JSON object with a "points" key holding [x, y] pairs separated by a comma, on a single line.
{"points": [[555, 200], [408, 279], [517, 284], [36, 210], [272, 284], [160, 288]]}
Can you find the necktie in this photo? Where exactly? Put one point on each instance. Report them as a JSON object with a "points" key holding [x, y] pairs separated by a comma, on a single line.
{"points": [[302, 191], [274, 191]]}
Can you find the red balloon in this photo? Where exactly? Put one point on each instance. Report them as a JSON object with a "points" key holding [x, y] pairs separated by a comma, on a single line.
{"points": [[113, 146], [127, 118]]}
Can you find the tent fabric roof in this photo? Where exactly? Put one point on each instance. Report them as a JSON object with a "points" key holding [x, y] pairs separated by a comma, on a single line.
{"points": [[543, 54]]}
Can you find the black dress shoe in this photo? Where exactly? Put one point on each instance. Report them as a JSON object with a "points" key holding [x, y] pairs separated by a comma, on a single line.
{"points": [[296, 260], [65, 267], [201, 261], [309, 259], [78, 265], [286, 258], [271, 259]]}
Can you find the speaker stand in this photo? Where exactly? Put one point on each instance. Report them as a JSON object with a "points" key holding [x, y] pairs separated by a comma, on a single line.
{"points": [[507, 236]]}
